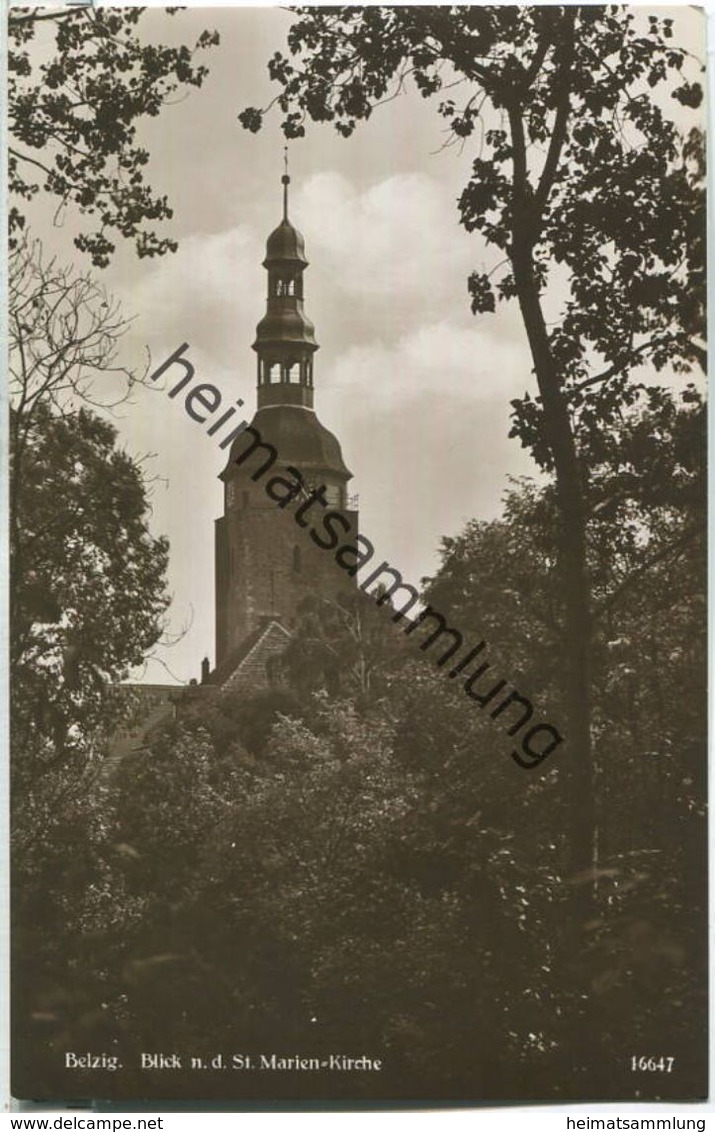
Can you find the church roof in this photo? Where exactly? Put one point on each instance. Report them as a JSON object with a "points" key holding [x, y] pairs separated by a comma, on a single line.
{"points": [[246, 664], [299, 439]]}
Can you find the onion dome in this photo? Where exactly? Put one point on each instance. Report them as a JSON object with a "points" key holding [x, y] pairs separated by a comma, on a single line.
{"points": [[285, 245]]}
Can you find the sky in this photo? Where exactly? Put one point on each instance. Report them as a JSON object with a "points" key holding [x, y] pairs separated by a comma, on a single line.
{"points": [[415, 387]]}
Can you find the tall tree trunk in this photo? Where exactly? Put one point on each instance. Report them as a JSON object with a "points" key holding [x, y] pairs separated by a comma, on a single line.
{"points": [[576, 1020], [571, 491], [528, 207]]}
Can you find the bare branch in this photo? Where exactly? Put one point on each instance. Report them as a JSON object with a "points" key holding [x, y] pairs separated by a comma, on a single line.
{"points": [[64, 335]]}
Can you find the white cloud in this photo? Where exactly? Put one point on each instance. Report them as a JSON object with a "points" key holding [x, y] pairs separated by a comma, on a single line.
{"points": [[424, 427], [441, 358], [387, 256], [392, 239], [200, 296]]}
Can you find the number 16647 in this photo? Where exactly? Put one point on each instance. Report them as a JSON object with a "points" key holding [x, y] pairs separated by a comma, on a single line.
{"points": [[652, 1064]]}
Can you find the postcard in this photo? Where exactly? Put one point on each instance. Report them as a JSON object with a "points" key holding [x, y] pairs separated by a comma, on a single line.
{"points": [[357, 535]]}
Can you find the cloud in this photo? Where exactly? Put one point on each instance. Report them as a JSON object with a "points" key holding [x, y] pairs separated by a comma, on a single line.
{"points": [[394, 238], [209, 294], [439, 358], [389, 255], [389, 269], [424, 427]]}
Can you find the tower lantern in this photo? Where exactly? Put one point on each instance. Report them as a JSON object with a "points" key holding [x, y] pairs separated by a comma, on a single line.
{"points": [[285, 337]]}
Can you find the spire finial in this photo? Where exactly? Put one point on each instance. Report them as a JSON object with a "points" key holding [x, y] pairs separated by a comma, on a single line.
{"points": [[286, 181]]}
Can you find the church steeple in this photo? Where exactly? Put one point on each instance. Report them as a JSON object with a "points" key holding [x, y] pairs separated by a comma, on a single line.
{"points": [[285, 337], [265, 564]]}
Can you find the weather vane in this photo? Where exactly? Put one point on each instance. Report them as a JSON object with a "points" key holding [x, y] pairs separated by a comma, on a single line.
{"points": [[286, 181]]}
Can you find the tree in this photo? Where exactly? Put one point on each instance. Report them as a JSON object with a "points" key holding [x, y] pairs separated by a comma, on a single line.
{"points": [[73, 119], [87, 596], [344, 646], [64, 336], [389, 874], [87, 593], [592, 201], [87, 577], [347, 874], [645, 943], [88, 587], [497, 579]]}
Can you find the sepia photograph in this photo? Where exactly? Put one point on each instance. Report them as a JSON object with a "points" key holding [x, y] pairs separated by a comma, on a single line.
{"points": [[357, 537]]}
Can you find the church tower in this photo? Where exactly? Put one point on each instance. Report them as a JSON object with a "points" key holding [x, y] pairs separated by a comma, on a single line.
{"points": [[266, 564]]}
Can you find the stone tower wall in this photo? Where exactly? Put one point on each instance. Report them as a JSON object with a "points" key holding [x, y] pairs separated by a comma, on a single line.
{"points": [[266, 565]]}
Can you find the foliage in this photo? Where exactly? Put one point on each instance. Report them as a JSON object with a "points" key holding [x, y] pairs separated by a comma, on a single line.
{"points": [[252, 717], [87, 594], [647, 515], [345, 646], [562, 107], [380, 874], [649, 693], [87, 586], [330, 868], [74, 114]]}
